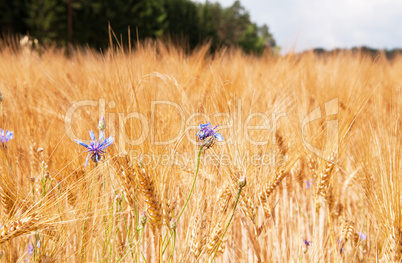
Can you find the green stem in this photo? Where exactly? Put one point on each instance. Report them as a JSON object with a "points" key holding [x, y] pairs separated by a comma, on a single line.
{"points": [[230, 220], [164, 239], [174, 244], [168, 241], [126, 252], [188, 198], [192, 188]]}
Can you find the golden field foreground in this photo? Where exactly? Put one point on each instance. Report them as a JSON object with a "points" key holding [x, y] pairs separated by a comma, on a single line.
{"points": [[317, 139]]}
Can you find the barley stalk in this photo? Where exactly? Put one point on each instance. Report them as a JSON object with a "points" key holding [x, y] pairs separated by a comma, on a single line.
{"points": [[150, 197], [269, 189]]}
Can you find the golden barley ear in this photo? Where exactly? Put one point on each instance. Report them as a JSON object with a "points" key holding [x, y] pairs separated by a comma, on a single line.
{"points": [[312, 165], [150, 196], [346, 234], [199, 232], [169, 205], [283, 149], [224, 199], [300, 175], [214, 238], [129, 187], [126, 174], [346, 230], [8, 186], [269, 189], [248, 206], [8, 201], [218, 222], [24, 225], [324, 182]]}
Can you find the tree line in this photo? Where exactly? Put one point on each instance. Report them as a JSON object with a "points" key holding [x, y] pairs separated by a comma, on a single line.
{"points": [[86, 22], [367, 51]]}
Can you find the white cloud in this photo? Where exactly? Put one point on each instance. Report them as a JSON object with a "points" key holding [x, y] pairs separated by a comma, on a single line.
{"points": [[305, 24]]}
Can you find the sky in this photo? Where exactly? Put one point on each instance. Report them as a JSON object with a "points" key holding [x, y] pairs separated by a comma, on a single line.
{"points": [[300, 25]]}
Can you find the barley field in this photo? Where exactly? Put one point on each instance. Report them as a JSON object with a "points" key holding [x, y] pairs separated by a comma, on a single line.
{"points": [[308, 169]]}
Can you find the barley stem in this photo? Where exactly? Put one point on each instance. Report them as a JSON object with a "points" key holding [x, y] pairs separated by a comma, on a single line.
{"points": [[174, 244], [188, 198], [192, 188], [129, 249], [230, 220]]}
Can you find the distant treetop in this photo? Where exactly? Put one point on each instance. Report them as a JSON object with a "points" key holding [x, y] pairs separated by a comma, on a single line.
{"points": [[86, 22]]}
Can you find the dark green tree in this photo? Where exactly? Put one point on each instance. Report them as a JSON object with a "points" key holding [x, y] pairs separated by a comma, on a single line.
{"points": [[232, 26], [146, 16], [209, 14], [90, 22], [12, 16], [47, 20], [183, 21], [86, 22], [91, 19]]}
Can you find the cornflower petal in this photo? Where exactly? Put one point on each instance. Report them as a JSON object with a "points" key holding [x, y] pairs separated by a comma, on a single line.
{"points": [[83, 144], [203, 126], [109, 141], [101, 134], [9, 135], [30, 249], [307, 243], [219, 137], [92, 135], [362, 236], [86, 163], [5, 136]]}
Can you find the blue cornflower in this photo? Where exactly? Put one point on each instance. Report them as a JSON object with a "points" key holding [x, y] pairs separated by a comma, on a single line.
{"points": [[362, 236], [96, 148], [207, 132], [5, 136], [307, 244], [30, 249]]}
